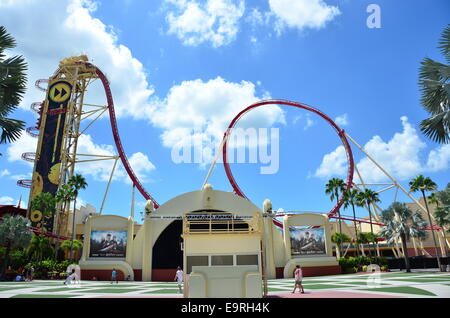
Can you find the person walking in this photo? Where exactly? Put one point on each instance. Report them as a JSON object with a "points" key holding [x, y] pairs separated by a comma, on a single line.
{"points": [[114, 276], [298, 276], [179, 278], [31, 273]]}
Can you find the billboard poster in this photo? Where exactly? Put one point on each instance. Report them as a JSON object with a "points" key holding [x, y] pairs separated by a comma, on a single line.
{"points": [[46, 175], [108, 243], [307, 241]]}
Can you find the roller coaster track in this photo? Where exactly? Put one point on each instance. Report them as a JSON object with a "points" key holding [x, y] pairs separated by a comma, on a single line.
{"points": [[34, 131], [115, 132]]}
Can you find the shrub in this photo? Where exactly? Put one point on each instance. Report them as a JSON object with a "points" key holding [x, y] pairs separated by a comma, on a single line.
{"points": [[17, 259], [349, 264]]}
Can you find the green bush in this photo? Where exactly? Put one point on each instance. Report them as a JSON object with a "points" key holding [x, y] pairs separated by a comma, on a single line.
{"points": [[49, 268], [17, 259], [349, 264]]}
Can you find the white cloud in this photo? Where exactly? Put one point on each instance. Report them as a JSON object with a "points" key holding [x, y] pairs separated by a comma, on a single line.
{"points": [[203, 110], [5, 200], [101, 170], [309, 122], [214, 21], [25, 143], [141, 165], [333, 163], [439, 159], [400, 157], [67, 28], [16, 177], [341, 120], [4, 172], [301, 14]]}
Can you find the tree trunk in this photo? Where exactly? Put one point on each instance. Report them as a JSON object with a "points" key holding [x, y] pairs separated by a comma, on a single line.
{"points": [[339, 215], [356, 230], [73, 230], [338, 251], [405, 253], [432, 231], [371, 229], [445, 242]]}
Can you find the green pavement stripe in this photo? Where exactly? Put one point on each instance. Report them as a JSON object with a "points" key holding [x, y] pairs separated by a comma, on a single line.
{"points": [[111, 290], [53, 290], [279, 289], [10, 288], [113, 286], [43, 296], [359, 283], [163, 291], [436, 277], [402, 290], [421, 280]]}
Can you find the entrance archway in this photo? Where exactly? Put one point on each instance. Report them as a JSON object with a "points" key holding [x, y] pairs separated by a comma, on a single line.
{"points": [[167, 253]]}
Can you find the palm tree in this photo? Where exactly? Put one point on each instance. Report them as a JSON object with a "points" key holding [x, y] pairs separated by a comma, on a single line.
{"points": [[333, 188], [44, 202], [351, 198], [422, 184], [40, 248], [366, 198], [70, 245], [12, 88], [338, 239], [442, 212], [14, 233], [64, 195], [400, 222], [363, 239], [77, 182], [434, 81]]}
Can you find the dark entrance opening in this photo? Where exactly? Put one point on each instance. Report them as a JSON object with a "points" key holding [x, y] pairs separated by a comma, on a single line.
{"points": [[167, 253]]}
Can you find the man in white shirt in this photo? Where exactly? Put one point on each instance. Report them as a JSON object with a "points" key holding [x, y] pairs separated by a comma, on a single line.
{"points": [[179, 278]]}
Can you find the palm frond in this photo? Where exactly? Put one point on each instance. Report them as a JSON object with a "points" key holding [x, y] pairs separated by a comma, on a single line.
{"points": [[445, 43], [437, 128], [11, 129], [6, 41]]}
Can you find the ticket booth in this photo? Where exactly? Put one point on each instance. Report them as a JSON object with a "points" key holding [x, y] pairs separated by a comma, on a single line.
{"points": [[223, 255]]}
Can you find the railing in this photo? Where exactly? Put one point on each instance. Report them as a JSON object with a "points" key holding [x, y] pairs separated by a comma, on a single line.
{"points": [[220, 223]]}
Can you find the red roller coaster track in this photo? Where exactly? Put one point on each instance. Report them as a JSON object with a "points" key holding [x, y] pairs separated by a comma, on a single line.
{"points": [[115, 132], [34, 131], [339, 131]]}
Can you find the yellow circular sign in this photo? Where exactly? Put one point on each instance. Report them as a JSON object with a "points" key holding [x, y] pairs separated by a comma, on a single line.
{"points": [[36, 216], [60, 92]]}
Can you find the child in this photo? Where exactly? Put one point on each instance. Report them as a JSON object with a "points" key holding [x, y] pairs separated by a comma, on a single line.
{"points": [[114, 276], [179, 277], [298, 276]]}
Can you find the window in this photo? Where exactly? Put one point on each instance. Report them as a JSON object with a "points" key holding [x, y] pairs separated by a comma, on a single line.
{"points": [[246, 259], [195, 261], [218, 260]]}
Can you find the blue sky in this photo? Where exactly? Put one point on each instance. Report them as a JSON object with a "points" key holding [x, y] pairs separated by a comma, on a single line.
{"points": [[174, 63]]}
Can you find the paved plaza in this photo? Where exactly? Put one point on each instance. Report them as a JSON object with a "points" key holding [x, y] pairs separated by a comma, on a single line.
{"points": [[384, 285]]}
